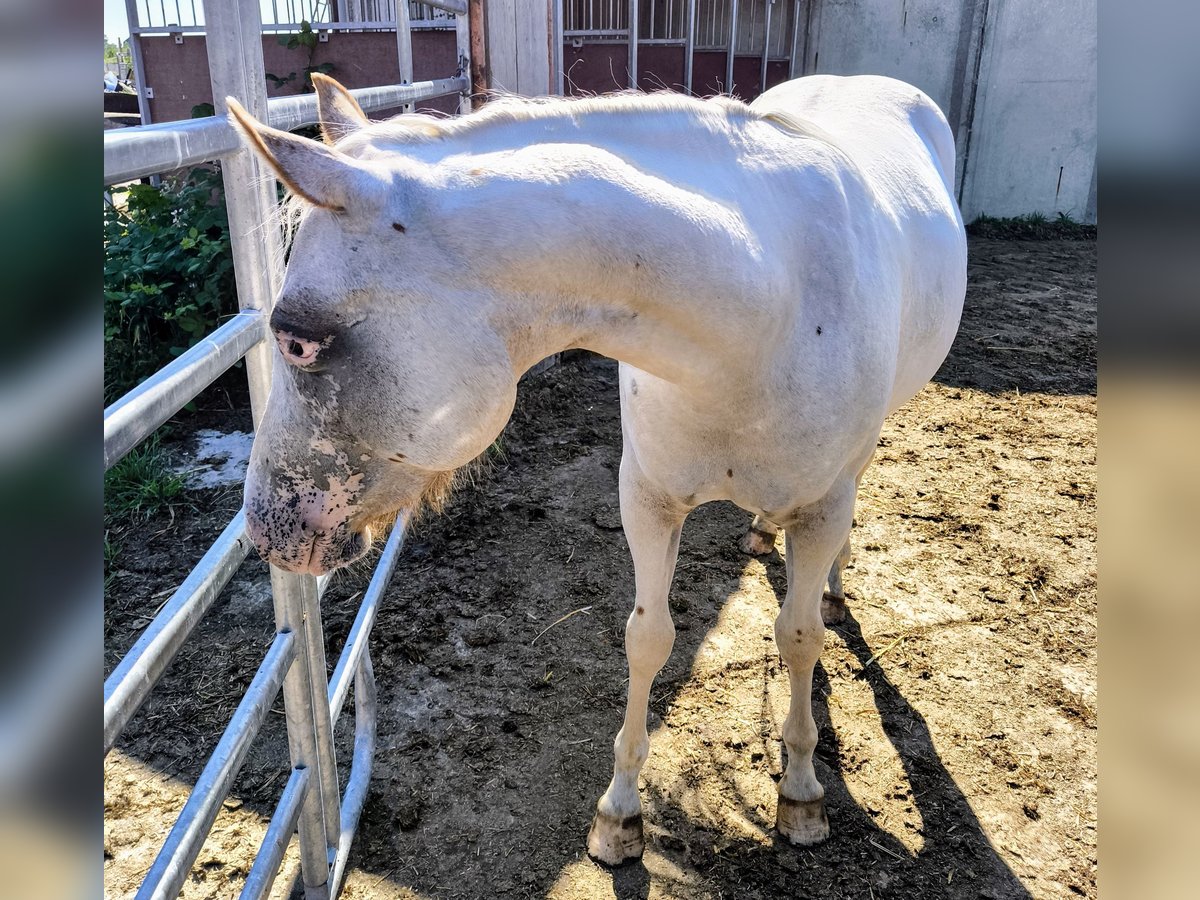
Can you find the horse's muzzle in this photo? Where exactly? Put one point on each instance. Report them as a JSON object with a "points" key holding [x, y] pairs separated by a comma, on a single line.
{"points": [[291, 540]]}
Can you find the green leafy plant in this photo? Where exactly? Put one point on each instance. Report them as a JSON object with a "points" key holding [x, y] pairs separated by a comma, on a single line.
{"points": [[168, 275], [142, 484], [307, 39], [1032, 227]]}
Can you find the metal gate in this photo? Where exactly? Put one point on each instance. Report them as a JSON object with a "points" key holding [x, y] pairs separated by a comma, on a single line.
{"points": [[312, 802], [697, 46]]}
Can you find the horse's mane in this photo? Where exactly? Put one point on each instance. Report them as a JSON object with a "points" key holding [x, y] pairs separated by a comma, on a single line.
{"points": [[508, 109]]}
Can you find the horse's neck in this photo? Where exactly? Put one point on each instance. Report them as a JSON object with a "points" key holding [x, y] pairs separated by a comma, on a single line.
{"points": [[605, 251]]}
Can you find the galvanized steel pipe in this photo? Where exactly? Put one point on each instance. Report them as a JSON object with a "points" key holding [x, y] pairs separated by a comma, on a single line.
{"points": [[132, 418], [126, 689], [174, 861]]}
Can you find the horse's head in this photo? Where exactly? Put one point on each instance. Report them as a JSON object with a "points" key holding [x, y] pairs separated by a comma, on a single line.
{"points": [[388, 372]]}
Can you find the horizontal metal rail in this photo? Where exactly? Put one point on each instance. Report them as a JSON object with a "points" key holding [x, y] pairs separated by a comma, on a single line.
{"points": [[174, 861], [458, 7], [136, 415], [298, 110], [279, 835], [277, 27], [132, 153], [360, 631], [126, 689]]}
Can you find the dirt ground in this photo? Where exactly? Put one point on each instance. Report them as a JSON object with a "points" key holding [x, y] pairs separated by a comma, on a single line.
{"points": [[956, 706]]}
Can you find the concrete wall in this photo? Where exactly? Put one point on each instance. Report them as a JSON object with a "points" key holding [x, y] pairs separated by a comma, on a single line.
{"points": [[1016, 79], [1032, 144]]}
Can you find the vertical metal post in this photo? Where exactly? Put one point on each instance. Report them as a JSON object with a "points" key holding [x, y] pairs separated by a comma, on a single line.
{"points": [[733, 13], [235, 59], [633, 42], [135, 52], [235, 63], [288, 591], [462, 40], [404, 46], [556, 47], [689, 45], [795, 39], [762, 75]]}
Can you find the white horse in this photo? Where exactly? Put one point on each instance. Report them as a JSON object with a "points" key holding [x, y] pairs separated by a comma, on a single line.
{"points": [[775, 279]]}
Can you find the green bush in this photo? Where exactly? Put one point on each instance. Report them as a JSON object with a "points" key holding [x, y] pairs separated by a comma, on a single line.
{"points": [[168, 275]]}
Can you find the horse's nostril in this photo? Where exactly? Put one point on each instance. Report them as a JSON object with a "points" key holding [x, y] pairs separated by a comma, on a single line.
{"points": [[298, 351]]}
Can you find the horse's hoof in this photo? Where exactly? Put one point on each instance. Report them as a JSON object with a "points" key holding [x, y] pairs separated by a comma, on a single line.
{"points": [[833, 609], [757, 543], [613, 841], [802, 822]]}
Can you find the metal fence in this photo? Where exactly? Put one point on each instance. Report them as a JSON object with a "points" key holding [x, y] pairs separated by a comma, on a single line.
{"points": [[312, 804], [767, 29], [187, 16]]}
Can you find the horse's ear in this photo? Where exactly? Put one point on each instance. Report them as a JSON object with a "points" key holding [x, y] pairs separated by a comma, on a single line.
{"points": [[321, 175], [337, 109]]}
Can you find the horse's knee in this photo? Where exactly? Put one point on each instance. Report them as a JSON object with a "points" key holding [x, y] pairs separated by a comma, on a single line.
{"points": [[800, 639], [649, 637]]}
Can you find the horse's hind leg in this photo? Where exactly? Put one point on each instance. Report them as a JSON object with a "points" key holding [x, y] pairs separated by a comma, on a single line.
{"points": [[833, 601], [760, 539], [652, 524], [814, 536]]}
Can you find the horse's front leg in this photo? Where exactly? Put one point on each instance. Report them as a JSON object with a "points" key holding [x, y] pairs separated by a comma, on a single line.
{"points": [[652, 522], [814, 538]]}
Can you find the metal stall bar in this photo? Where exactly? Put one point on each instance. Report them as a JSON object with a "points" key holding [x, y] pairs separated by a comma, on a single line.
{"points": [[633, 44], [132, 418], [126, 689], [183, 844], [235, 65], [279, 835], [132, 153], [360, 631], [795, 38], [404, 46], [326, 774], [733, 14], [556, 47], [287, 591], [462, 43], [766, 51], [360, 766], [289, 113], [135, 52], [689, 46], [236, 68]]}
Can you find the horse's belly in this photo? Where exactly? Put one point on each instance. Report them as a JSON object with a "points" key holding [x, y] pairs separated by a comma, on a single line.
{"points": [[772, 462]]}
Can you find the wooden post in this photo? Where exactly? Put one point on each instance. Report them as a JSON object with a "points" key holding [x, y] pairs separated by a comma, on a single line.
{"points": [[481, 70]]}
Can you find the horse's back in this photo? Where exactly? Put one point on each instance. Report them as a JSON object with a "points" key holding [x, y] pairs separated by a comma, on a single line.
{"points": [[899, 143]]}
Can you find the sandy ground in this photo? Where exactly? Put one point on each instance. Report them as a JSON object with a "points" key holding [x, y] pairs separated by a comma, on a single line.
{"points": [[956, 706]]}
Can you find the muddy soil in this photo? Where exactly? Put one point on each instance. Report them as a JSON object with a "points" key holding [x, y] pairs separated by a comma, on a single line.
{"points": [[956, 706]]}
